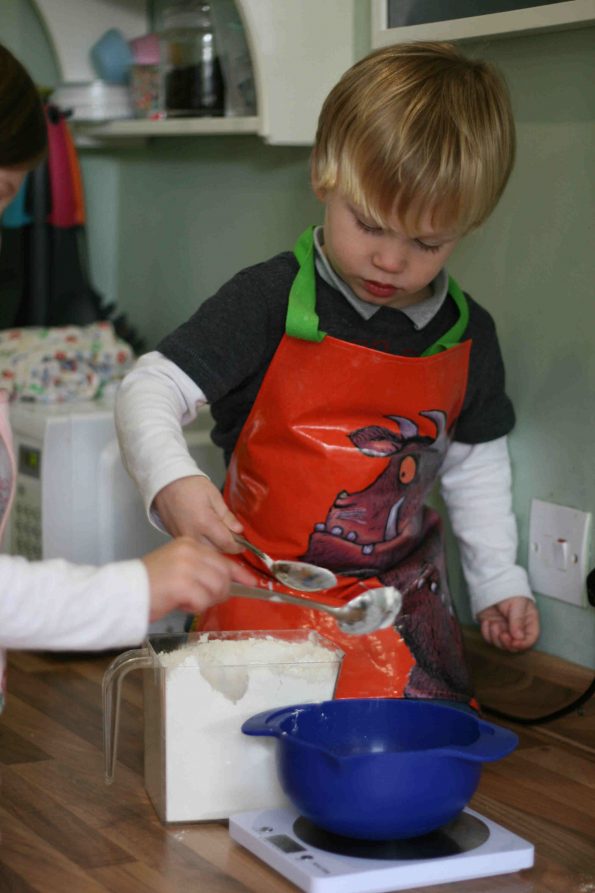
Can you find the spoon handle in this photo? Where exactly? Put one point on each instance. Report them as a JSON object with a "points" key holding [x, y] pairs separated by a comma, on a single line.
{"points": [[266, 559], [242, 591]]}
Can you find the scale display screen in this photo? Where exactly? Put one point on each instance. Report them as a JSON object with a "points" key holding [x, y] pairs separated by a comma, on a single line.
{"points": [[29, 461], [286, 844]]}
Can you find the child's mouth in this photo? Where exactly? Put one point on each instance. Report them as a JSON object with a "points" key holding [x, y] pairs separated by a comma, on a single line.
{"points": [[379, 289]]}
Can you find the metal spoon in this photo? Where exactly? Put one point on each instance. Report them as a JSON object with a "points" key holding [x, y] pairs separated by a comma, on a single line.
{"points": [[297, 574], [372, 610]]}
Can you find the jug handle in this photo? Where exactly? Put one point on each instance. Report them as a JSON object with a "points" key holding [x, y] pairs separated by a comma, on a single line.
{"points": [[136, 659]]}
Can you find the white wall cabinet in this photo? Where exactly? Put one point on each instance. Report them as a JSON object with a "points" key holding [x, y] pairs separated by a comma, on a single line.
{"points": [[299, 50]]}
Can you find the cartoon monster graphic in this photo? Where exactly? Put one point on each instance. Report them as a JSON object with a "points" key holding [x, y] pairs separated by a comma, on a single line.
{"points": [[386, 531]]}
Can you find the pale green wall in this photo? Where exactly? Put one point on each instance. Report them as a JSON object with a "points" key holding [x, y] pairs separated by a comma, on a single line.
{"points": [[193, 212], [532, 266], [171, 220]]}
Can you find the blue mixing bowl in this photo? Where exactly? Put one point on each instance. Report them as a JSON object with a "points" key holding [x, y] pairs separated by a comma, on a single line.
{"points": [[380, 768]]}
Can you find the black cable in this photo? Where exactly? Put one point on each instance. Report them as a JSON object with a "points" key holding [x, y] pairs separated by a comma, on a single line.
{"points": [[549, 717]]}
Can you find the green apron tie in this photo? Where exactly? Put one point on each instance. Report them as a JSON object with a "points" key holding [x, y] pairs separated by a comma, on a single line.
{"points": [[302, 320], [454, 334]]}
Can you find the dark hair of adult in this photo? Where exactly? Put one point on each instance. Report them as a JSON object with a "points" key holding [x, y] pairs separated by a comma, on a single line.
{"points": [[23, 135]]}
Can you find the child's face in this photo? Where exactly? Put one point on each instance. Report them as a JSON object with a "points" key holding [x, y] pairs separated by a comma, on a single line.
{"points": [[385, 267], [10, 183]]}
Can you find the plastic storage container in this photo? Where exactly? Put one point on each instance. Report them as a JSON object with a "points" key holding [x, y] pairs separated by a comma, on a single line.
{"points": [[192, 82], [199, 688], [93, 100], [145, 76]]}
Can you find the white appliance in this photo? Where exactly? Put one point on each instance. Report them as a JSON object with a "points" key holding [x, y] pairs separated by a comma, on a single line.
{"points": [[73, 497], [471, 846]]}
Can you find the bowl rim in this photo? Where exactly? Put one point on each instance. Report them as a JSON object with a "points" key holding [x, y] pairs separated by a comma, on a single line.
{"points": [[491, 742]]}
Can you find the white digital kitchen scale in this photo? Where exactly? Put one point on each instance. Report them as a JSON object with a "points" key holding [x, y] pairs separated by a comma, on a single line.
{"points": [[471, 846]]}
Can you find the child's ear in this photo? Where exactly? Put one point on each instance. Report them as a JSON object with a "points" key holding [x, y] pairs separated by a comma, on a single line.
{"points": [[319, 192]]}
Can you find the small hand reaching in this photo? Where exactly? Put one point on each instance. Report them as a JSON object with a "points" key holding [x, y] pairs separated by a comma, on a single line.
{"points": [[512, 624], [187, 576]]}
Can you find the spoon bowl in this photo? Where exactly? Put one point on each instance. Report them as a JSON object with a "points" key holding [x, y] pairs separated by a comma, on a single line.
{"points": [[374, 609], [370, 611], [295, 574]]}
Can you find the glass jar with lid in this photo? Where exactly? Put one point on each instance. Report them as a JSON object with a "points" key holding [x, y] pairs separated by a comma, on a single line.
{"points": [[191, 76]]}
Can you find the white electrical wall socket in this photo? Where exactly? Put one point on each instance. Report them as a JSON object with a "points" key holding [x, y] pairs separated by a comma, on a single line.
{"points": [[559, 540]]}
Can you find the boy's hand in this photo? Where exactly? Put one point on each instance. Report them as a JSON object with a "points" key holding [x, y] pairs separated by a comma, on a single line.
{"points": [[512, 624], [186, 576], [193, 506]]}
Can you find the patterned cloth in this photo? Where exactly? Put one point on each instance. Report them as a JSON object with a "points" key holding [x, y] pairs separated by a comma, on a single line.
{"points": [[63, 363]]}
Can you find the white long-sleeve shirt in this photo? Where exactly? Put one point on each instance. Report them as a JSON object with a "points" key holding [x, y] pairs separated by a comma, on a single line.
{"points": [[157, 399], [58, 606]]}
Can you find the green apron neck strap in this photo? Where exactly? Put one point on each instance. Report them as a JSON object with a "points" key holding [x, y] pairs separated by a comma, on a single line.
{"points": [[454, 334], [302, 320]]}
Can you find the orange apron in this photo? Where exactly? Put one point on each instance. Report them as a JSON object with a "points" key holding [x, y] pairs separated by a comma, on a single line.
{"points": [[333, 466]]}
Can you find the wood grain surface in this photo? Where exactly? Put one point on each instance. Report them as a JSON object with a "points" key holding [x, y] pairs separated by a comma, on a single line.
{"points": [[64, 831]]}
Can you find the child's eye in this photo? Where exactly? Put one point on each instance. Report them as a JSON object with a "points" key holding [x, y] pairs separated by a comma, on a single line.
{"points": [[367, 228], [424, 247]]}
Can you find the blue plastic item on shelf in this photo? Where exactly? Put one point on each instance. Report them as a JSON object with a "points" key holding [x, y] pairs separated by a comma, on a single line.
{"points": [[112, 57], [380, 768]]}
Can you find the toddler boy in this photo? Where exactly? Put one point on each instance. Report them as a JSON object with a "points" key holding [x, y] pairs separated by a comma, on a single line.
{"points": [[346, 377]]}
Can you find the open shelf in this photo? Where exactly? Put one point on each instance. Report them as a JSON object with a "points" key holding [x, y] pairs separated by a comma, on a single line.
{"points": [[143, 127], [295, 64]]}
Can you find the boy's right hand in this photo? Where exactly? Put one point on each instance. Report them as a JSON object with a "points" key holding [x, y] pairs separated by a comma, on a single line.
{"points": [[193, 506], [186, 576]]}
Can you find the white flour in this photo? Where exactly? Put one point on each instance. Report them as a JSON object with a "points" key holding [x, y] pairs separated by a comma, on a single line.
{"points": [[209, 768]]}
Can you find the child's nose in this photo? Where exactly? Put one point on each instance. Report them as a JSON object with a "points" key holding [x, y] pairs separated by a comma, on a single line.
{"points": [[390, 259]]}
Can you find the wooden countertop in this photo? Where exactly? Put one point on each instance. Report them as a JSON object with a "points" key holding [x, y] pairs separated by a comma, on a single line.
{"points": [[62, 829]]}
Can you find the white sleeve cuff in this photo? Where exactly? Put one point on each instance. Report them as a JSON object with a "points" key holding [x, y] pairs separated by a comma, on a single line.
{"points": [[153, 402], [510, 582]]}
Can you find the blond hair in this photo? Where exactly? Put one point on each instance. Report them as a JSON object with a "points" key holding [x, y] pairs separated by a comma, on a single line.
{"points": [[417, 128]]}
